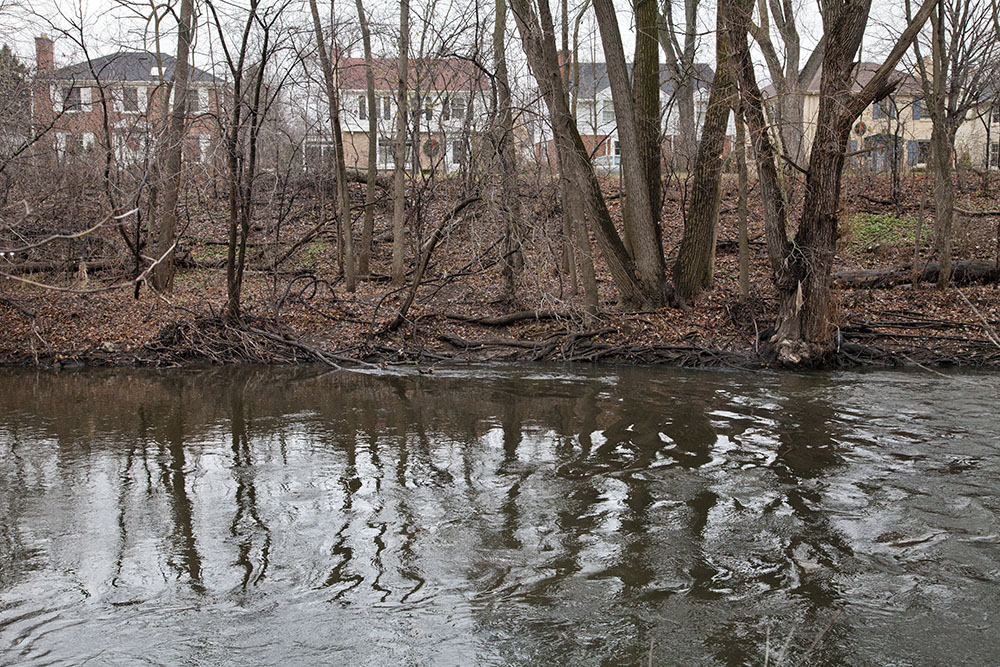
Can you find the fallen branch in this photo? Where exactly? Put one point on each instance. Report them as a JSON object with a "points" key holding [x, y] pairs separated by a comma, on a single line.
{"points": [[969, 272], [511, 318]]}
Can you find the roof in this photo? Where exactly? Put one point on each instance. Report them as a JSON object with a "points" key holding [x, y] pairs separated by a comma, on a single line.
{"points": [[594, 78], [908, 83], [128, 66], [424, 74]]}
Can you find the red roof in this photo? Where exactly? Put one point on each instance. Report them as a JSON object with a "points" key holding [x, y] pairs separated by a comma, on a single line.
{"points": [[423, 74]]}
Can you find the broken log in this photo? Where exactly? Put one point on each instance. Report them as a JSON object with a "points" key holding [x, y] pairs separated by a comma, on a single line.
{"points": [[510, 318], [969, 272]]}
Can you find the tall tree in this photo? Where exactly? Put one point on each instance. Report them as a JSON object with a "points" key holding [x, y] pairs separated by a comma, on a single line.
{"points": [[964, 55], [504, 147], [399, 157], [803, 329], [641, 231], [170, 153], [693, 270], [538, 37], [340, 168], [364, 257]]}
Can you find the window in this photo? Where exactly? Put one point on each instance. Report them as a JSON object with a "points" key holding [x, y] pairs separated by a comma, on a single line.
{"points": [[923, 152], [884, 108], [458, 108], [995, 113], [363, 108], [918, 108], [618, 148], [994, 155], [387, 107], [386, 157], [608, 113], [194, 101], [429, 110], [72, 97], [458, 153]]}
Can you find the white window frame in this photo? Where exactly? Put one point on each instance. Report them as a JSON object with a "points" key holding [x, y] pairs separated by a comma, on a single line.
{"points": [[59, 99]]}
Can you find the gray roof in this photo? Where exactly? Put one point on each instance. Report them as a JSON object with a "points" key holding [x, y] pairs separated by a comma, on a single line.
{"points": [[128, 66], [594, 78]]}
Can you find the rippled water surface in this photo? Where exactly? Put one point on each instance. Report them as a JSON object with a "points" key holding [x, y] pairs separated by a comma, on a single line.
{"points": [[529, 515]]}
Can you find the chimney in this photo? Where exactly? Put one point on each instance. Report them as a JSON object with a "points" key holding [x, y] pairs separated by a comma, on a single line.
{"points": [[44, 54]]}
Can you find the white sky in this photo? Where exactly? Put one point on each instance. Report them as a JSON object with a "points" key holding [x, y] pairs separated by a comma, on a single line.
{"points": [[110, 25]]}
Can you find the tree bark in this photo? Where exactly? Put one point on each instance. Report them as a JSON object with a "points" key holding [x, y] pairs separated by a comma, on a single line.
{"points": [[399, 153], [367, 226], [693, 270], [539, 44], [640, 225], [173, 142]]}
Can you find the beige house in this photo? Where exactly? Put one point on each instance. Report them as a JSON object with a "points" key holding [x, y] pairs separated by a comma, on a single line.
{"points": [[899, 126]]}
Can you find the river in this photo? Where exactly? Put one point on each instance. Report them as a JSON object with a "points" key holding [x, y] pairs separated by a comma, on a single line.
{"points": [[498, 516]]}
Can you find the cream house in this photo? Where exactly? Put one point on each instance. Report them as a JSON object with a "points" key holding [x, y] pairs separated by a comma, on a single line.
{"points": [[898, 127]]}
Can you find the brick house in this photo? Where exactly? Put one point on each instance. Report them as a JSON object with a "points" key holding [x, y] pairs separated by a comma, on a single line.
{"points": [[447, 98], [125, 93]]}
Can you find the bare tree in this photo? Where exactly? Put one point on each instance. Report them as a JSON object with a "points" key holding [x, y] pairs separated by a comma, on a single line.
{"points": [[788, 79], [170, 152], [679, 45], [641, 230], [399, 154], [538, 37], [802, 269], [340, 168], [964, 51], [364, 257], [694, 267]]}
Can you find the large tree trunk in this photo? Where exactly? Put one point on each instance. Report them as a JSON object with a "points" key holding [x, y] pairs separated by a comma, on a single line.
{"points": [[693, 270], [364, 257], [802, 270], [941, 145], [574, 160], [343, 204], [513, 258], [640, 225], [399, 154], [646, 83], [173, 141]]}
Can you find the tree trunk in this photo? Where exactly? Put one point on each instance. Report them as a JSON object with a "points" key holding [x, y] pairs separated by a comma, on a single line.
{"points": [[802, 270], [399, 153], [513, 258], [941, 147], [173, 142], [646, 83], [640, 225], [367, 226], [693, 269], [574, 160], [744, 241], [343, 205]]}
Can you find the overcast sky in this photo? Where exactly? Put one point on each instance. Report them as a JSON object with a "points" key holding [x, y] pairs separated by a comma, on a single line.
{"points": [[111, 25]]}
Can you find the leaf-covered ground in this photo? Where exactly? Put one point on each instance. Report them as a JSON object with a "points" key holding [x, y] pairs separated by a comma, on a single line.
{"points": [[300, 311]]}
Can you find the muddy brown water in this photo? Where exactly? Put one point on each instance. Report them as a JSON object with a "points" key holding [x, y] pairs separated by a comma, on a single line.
{"points": [[512, 516]]}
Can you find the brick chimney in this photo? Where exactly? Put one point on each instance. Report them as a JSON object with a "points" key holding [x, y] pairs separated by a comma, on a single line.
{"points": [[44, 54]]}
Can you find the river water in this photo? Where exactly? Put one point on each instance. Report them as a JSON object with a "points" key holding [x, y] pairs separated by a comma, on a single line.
{"points": [[523, 515]]}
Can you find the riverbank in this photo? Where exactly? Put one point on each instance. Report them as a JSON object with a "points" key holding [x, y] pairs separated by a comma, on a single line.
{"points": [[298, 311]]}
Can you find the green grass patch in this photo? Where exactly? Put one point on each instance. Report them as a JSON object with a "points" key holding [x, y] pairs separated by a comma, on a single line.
{"points": [[881, 229]]}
